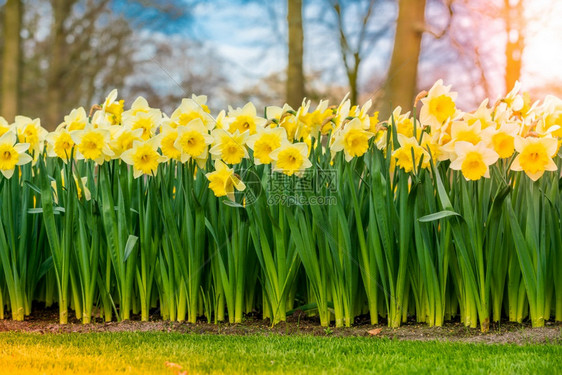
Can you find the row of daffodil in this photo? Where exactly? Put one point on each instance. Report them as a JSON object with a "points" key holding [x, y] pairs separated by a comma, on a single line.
{"points": [[144, 137]]}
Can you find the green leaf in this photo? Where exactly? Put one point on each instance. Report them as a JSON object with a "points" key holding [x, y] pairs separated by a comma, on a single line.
{"points": [[56, 210], [129, 246], [437, 216], [32, 187]]}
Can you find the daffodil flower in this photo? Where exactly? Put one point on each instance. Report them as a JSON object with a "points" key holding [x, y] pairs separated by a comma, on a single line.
{"points": [[402, 122], [291, 158], [473, 160], [353, 139], [12, 154], [60, 144], [31, 132], [503, 140], [535, 156], [148, 121], [92, 144], [513, 99], [75, 120], [168, 136], [4, 126], [551, 114], [139, 105], [264, 142], [230, 147], [310, 124], [244, 119], [403, 155], [191, 109], [223, 181], [193, 141], [461, 131], [482, 114], [112, 108], [122, 139], [439, 106], [144, 157]]}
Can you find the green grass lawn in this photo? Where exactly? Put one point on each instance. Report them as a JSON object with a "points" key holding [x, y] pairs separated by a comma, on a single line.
{"points": [[136, 352]]}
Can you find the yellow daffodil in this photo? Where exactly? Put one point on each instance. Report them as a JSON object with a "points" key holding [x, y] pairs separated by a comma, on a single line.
{"points": [[544, 129], [230, 147], [461, 131], [193, 141], [264, 142], [92, 144], [102, 120], [144, 157], [274, 114], [430, 144], [374, 122], [201, 100], [305, 125], [60, 144], [362, 113], [122, 139], [353, 139], [403, 155], [551, 114], [513, 99], [223, 181], [503, 140], [114, 112], [167, 142], [112, 108], [4, 126], [535, 156], [342, 112], [110, 99], [473, 160], [191, 109], [548, 118], [139, 105], [148, 121], [12, 154], [291, 158], [219, 120], [439, 106], [289, 123], [244, 119], [482, 114], [403, 122], [311, 124], [75, 120], [381, 139], [30, 131]]}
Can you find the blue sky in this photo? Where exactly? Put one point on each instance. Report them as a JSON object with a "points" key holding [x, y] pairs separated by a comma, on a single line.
{"points": [[251, 37]]}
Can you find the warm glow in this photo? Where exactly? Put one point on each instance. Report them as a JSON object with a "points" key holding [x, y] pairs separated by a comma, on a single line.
{"points": [[542, 57]]}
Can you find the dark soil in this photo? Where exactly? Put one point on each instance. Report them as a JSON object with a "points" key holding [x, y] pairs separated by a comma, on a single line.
{"points": [[46, 321]]}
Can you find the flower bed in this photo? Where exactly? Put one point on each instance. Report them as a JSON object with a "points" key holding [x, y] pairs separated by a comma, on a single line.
{"points": [[327, 210]]}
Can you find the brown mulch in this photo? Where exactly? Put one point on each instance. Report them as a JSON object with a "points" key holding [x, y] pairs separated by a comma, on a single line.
{"points": [[46, 321]]}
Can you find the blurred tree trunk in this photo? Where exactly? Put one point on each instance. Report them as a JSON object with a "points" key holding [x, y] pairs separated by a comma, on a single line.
{"points": [[11, 59], [513, 14], [401, 84], [295, 74], [55, 86]]}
